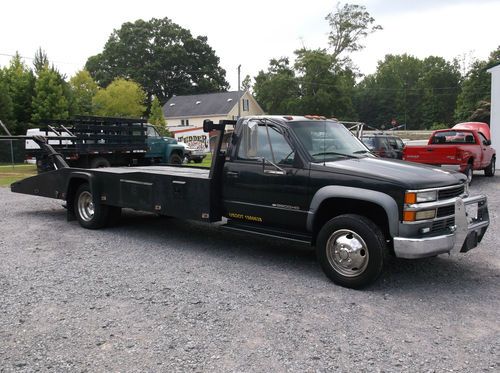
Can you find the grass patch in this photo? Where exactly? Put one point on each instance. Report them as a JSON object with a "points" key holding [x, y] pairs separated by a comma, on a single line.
{"points": [[9, 174], [207, 162]]}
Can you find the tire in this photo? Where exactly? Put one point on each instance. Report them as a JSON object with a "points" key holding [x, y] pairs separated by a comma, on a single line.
{"points": [[490, 170], [175, 159], [198, 160], [88, 214], [469, 172], [99, 162], [351, 250]]}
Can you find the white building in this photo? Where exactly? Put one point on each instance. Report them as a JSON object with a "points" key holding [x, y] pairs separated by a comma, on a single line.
{"points": [[495, 109], [185, 114]]}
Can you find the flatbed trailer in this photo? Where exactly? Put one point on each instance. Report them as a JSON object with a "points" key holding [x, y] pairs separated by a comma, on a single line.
{"points": [[305, 179]]}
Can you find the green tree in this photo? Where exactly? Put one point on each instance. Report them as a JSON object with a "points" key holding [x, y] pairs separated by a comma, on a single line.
{"points": [[349, 24], [156, 117], [246, 84], [440, 83], [50, 100], [476, 87], [324, 88], [277, 90], [83, 89], [19, 81], [161, 56], [6, 106], [122, 98], [41, 61]]}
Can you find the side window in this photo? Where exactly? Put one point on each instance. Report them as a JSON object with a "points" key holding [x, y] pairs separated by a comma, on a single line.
{"points": [[151, 132], [383, 143], [393, 143], [255, 144], [483, 138], [400, 143]]}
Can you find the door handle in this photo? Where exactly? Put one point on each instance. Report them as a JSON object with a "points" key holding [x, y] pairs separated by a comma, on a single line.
{"points": [[233, 174], [430, 150]]}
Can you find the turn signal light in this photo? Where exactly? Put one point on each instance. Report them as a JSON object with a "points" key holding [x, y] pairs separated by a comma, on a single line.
{"points": [[410, 198]]}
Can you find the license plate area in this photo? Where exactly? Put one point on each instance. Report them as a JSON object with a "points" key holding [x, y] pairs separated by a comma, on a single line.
{"points": [[471, 210]]}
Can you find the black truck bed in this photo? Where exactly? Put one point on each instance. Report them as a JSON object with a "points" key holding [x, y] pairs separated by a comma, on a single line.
{"points": [[183, 192]]}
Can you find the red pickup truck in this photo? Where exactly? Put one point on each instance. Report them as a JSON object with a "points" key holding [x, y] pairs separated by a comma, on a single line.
{"points": [[465, 147]]}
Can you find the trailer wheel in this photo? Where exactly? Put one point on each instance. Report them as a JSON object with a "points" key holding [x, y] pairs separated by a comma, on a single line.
{"points": [[351, 250], [90, 215], [490, 170], [175, 159], [99, 162]]}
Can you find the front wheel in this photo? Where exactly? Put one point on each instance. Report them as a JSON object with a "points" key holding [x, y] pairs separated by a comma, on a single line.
{"points": [[175, 159], [351, 250]]}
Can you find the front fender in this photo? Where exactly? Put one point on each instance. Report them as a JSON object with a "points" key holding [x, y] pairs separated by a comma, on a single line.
{"points": [[335, 191]]}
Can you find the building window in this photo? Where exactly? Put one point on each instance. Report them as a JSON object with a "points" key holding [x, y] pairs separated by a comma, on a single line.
{"points": [[246, 105], [187, 122], [182, 122]]}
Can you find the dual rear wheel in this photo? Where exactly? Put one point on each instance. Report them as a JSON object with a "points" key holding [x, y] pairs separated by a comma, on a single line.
{"points": [[92, 215]]}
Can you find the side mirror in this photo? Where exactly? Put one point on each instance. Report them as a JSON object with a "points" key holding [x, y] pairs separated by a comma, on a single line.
{"points": [[487, 142], [208, 125]]}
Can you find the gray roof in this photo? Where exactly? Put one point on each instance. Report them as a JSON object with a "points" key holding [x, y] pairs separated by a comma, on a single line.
{"points": [[199, 105]]}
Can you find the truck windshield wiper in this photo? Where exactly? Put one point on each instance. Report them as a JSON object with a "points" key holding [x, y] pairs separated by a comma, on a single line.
{"points": [[361, 151], [335, 153]]}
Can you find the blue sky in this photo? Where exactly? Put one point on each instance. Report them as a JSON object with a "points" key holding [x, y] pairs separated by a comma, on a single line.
{"points": [[251, 32]]}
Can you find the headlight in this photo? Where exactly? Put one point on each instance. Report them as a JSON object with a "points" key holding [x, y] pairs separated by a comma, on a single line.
{"points": [[419, 197]]}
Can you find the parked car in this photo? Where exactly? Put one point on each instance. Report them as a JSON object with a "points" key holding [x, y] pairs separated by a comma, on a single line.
{"points": [[465, 147], [192, 154], [384, 145]]}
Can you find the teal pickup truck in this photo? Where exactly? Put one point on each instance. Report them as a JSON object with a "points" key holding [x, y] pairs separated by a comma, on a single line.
{"points": [[163, 149]]}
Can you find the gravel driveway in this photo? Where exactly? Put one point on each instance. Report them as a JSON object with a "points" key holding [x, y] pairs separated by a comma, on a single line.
{"points": [[159, 294]]}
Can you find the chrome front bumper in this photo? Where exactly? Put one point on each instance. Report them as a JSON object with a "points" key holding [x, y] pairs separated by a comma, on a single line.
{"points": [[463, 236]]}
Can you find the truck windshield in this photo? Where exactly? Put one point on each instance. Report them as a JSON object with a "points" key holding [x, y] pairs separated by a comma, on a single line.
{"points": [[328, 140]]}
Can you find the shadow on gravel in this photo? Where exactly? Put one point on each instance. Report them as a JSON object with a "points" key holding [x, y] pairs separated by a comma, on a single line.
{"points": [[444, 274]]}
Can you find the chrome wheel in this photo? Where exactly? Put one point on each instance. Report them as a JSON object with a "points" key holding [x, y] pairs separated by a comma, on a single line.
{"points": [[86, 206], [347, 253]]}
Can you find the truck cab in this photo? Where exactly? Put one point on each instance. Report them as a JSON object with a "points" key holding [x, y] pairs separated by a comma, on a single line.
{"points": [[162, 149]]}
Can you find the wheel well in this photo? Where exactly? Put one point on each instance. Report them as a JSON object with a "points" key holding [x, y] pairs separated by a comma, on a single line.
{"points": [[73, 186], [333, 207]]}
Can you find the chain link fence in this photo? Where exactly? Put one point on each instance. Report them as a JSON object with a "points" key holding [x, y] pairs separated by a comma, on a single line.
{"points": [[14, 153]]}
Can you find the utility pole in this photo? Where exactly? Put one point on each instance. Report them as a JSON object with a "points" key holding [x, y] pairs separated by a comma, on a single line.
{"points": [[239, 91], [11, 148]]}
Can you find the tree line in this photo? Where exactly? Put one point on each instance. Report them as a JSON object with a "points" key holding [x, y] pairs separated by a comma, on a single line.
{"points": [[141, 66], [424, 93], [144, 63]]}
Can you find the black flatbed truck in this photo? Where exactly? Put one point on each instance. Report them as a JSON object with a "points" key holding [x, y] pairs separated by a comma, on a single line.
{"points": [[306, 179], [92, 141]]}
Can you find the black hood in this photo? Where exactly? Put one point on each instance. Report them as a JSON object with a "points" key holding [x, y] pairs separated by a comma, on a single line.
{"points": [[406, 174]]}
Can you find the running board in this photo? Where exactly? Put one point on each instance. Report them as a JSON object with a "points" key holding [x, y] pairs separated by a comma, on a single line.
{"points": [[268, 232]]}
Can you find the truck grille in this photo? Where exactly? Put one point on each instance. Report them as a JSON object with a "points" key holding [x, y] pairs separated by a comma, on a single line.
{"points": [[441, 225], [445, 211], [451, 192]]}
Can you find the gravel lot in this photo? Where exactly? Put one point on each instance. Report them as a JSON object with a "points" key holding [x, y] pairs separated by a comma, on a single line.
{"points": [[160, 294]]}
